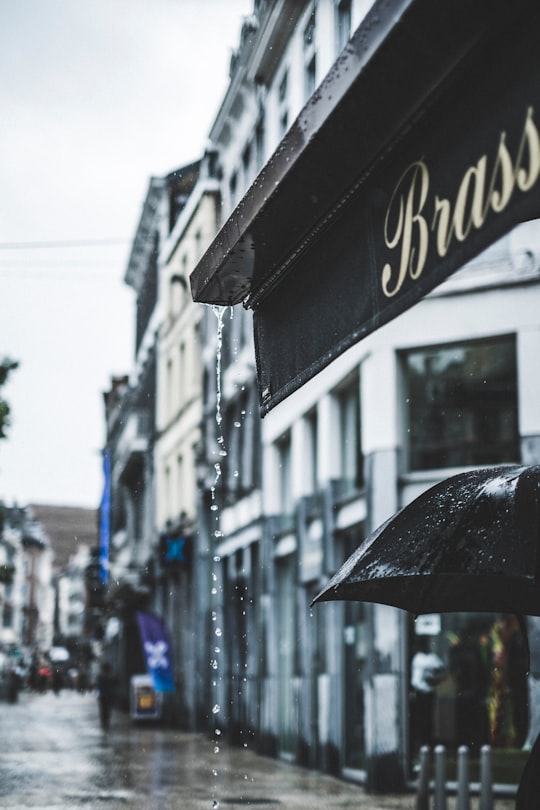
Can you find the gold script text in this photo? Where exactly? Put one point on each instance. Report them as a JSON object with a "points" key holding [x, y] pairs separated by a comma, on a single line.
{"points": [[482, 189]]}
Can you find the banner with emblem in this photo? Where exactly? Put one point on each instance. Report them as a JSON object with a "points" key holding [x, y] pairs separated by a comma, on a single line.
{"points": [[157, 650]]}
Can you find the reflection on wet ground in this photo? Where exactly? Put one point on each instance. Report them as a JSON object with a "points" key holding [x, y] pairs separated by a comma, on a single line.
{"points": [[54, 755]]}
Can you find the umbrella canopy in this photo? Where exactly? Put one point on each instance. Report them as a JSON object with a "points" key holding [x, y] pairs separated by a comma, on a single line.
{"points": [[470, 543]]}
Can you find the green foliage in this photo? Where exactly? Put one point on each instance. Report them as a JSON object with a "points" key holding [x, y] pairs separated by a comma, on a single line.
{"points": [[6, 366]]}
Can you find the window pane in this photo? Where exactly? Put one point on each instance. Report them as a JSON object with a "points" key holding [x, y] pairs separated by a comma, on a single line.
{"points": [[462, 405], [350, 449]]}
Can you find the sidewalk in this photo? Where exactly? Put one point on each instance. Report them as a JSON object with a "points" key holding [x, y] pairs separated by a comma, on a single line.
{"points": [[53, 756]]}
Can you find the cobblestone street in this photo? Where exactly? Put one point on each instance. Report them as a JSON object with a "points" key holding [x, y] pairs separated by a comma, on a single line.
{"points": [[54, 755]]}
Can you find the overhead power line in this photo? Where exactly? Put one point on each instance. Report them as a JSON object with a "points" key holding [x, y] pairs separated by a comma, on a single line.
{"points": [[66, 243]]}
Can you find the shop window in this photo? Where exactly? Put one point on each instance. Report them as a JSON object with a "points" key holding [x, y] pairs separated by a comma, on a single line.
{"points": [[480, 696], [462, 405]]}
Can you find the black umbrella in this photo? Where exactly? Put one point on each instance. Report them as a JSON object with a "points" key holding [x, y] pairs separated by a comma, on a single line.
{"points": [[470, 543]]}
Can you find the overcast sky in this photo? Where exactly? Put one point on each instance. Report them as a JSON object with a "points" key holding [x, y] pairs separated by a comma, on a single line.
{"points": [[96, 97]]}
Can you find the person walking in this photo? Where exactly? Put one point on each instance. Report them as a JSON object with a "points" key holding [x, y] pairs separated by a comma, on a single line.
{"points": [[427, 672], [106, 689]]}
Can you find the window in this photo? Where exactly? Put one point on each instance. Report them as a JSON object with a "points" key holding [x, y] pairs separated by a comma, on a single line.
{"points": [[198, 247], [285, 475], [283, 104], [351, 460], [170, 392], [343, 23], [309, 32], [180, 483], [246, 164], [312, 450], [183, 382], [311, 71], [233, 188], [282, 90], [259, 141], [310, 60], [7, 615], [462, 405]]}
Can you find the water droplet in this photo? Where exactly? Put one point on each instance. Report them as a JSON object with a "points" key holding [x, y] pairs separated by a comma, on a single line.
{"points": [[215, 708], [218, 632], [216, 749], [217, 558]]}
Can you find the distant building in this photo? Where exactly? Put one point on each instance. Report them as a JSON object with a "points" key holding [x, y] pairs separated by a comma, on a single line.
{"points": [[11, 578], [71, 531]]}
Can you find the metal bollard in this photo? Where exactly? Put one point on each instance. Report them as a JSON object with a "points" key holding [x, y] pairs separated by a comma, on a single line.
{"points": [[422, 796], [440, 778], [463, 796], [486, 781]]}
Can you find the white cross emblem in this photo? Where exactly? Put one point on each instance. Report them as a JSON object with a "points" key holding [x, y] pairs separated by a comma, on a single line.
{"points": [[157, 654]]}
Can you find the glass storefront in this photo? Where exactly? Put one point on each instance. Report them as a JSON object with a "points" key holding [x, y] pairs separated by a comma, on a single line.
{"points": [[479, 695]]}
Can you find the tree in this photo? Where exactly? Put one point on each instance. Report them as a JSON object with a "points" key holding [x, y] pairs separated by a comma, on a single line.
{"points": [[6, 366]]}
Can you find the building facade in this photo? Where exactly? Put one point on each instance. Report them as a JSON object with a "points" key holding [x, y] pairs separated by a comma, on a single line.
{"points": [[271, 508]]}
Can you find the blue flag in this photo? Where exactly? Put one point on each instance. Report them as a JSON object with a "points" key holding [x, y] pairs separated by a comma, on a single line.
{"points": [[105, 519], [157, 650]]}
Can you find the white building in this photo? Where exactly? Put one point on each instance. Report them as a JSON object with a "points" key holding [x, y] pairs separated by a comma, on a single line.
{"points": [[449, 385], [71, 595], [272, 508]]}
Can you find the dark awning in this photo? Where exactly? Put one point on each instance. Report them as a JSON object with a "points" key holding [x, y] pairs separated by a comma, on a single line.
{"points": [[422, 93]]}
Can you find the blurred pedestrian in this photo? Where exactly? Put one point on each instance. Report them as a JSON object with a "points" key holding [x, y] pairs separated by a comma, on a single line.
{"points": [[57, 680], [106, 689], [44, 675], [13, 686], [427, 672]]}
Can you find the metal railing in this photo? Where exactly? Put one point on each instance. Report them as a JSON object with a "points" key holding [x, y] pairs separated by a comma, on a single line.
{"points": [[439, 787]]}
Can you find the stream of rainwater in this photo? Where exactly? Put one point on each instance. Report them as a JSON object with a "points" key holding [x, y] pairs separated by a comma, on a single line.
{"points": [[217, 631]]}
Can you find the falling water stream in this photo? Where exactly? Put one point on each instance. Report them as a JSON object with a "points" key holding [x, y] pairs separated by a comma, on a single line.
{"points": [[217, 632]]}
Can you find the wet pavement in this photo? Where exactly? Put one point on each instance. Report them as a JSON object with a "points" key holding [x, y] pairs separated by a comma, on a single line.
{"points": [[54, 755]]}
